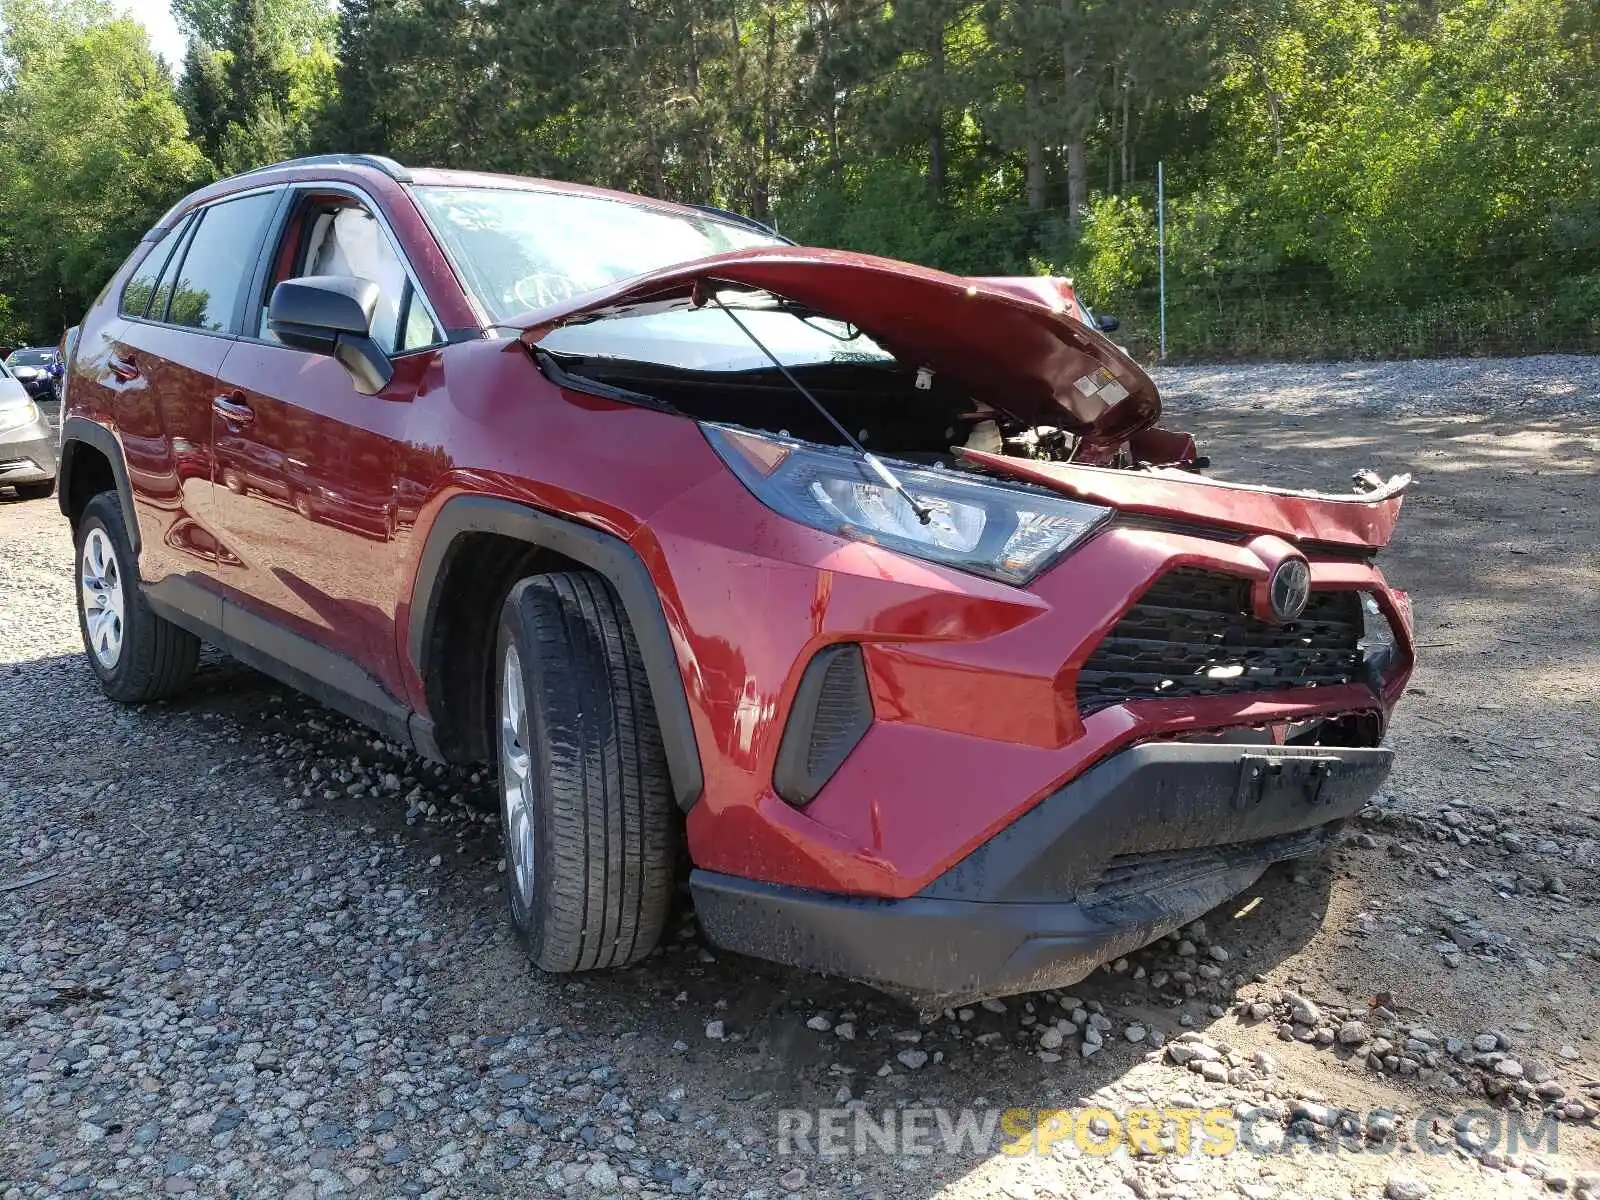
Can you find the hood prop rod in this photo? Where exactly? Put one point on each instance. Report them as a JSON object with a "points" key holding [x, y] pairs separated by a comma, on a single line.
{"points": [[924, 514]]}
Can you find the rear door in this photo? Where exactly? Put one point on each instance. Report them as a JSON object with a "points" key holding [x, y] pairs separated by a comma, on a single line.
{"points": [[306, 464], [179, 313]]}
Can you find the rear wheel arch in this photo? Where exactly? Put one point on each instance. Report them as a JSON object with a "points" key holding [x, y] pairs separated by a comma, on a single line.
{"points": [[477, 548], [91, 463]]}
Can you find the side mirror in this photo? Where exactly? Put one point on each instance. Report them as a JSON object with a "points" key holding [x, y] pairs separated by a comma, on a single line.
{"points": [[1106, 324], [332, 315]]}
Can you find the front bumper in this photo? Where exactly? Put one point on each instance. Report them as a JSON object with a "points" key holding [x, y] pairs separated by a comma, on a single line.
{"points": [[28, 454], [1139, 845]]}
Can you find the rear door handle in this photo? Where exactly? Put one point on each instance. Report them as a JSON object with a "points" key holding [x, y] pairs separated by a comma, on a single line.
{"points": [[124, 369], [233, 410]]}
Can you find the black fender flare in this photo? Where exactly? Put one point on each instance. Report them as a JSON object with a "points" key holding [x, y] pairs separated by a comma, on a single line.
{"points": [[81, 430], [602, 552]]}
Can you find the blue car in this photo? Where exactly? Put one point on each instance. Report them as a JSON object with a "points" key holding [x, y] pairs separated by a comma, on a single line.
{"points": [[36, 369]]}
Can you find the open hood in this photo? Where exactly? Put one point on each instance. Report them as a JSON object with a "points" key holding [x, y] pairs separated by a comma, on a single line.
{"points": [[1013, 351]]}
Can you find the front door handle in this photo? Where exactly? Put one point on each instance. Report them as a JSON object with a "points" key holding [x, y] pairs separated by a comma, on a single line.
{"points": [[233, 410], [124, 369]]}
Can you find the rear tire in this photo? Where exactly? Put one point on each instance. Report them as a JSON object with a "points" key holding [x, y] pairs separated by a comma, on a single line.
{"points": [[588, 821], [137, 656], [34, 491]]}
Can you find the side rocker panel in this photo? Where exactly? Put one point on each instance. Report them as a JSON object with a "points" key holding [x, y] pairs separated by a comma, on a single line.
{"points": [[611, 557]]}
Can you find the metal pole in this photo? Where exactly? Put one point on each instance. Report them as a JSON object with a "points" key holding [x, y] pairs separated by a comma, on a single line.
{"points": [[1161, 247]]}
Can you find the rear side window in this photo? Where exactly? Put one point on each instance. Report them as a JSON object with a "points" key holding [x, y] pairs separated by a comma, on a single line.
{"points": [[221, 255], [136, 295], [158, 303]]}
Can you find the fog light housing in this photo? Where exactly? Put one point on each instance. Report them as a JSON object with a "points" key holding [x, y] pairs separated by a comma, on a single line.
{"points": [[832, 712], [1379, 648]]}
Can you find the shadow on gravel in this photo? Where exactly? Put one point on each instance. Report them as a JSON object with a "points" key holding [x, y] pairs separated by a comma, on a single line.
{"points": [[654, 1017]]}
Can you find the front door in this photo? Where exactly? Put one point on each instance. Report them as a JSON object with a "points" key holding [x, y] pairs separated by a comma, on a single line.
{"points": [[305, 465]]}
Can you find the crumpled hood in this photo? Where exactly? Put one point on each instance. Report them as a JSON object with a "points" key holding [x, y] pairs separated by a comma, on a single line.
{"points": [[1015, 352], [1364, 520]]}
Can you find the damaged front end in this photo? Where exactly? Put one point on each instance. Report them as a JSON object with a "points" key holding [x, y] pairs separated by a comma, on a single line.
{"points": [[984, 425], [1042, 692], [787, 351], [909, 362]]}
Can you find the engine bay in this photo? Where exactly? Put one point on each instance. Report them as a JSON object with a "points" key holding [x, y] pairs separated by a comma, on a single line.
{"points": [[912, 414]]}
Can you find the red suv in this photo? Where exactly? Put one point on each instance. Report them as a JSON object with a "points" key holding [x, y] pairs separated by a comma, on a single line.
{"points": [[877, 587]]}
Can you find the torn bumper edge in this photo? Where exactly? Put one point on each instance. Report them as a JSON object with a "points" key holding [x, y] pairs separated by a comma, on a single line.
{"points": [[1141, 844]]}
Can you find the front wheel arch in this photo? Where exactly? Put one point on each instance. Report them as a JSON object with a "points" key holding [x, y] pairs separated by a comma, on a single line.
{"points": [[535, 535]]}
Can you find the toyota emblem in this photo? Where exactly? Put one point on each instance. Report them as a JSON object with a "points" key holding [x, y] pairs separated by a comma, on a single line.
{"points": [[1289, 588]]}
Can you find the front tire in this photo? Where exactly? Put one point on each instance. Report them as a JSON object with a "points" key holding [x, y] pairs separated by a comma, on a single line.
{"points": [[137, 656], [588, 822]]}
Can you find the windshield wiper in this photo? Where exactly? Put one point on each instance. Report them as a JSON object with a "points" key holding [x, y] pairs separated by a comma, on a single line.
{"points": [[924, 514]]}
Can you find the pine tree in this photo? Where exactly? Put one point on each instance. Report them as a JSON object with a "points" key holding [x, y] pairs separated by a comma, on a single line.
{"points": [[204, 94], [255, 74]]}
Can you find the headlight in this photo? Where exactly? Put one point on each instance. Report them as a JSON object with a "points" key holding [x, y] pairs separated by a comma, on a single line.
{"points": [[15, 416], [1006, 533]]}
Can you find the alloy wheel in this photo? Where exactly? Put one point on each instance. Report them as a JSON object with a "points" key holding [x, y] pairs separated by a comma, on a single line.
{"points": [[516, 777], [101, 594]]}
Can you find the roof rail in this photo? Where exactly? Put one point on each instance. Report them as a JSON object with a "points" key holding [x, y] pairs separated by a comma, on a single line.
{"points": [[377, 162]]}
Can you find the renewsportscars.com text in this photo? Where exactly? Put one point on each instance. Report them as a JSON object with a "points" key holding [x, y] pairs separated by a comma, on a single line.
{"points": [[857, 1131]]}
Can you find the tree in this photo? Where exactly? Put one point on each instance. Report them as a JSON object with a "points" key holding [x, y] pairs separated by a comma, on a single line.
{"points": [[298, 23], [93, 149], [205, 96]]}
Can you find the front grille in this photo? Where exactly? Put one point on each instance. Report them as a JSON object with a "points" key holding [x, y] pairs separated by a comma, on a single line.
{"points": [[1193, 634]]}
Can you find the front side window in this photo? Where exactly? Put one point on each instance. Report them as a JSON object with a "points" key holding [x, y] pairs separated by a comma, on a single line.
{"points": [[220, 256], [349, 241], [340, 237], [525, 249], [419, 330]]}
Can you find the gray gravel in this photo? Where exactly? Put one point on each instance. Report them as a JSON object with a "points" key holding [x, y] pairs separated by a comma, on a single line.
{"points": [[1543, 385], [248, 949]]}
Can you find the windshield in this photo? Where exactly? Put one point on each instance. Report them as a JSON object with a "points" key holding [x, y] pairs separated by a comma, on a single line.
{"points": [[519, 250], [31, 358], [708, 339]]}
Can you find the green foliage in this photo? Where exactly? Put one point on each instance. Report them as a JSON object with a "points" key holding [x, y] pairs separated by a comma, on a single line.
{"points": [[1344, 177], [203, 93], [13, 329], [886, 208], [300, 24], [93, 149], [1115, 250]]}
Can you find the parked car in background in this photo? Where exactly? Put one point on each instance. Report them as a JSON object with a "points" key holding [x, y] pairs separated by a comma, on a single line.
{"points": [[37, 369], [27, 449], [880, 588]]}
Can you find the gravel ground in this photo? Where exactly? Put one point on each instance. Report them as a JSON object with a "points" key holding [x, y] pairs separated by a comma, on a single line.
{"points": [[245, 948], [1538, 386]]}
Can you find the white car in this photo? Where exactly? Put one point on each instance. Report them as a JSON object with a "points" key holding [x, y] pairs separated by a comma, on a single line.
{"points": [[27, 449]]}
